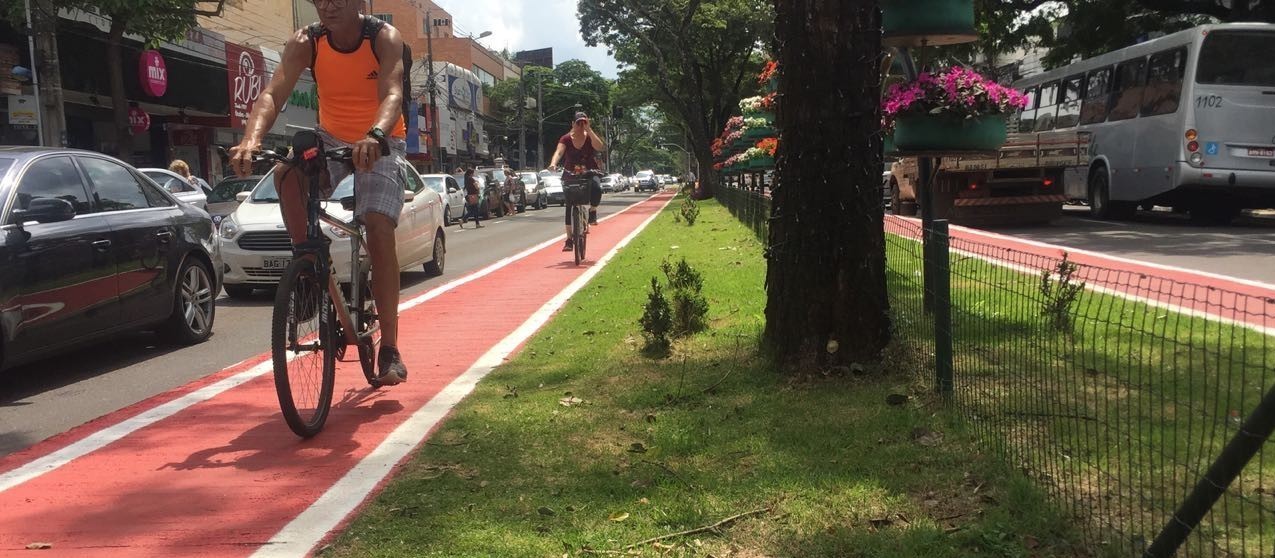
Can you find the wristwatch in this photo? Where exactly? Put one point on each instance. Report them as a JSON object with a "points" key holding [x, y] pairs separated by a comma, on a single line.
{"points": [[379, 135]]}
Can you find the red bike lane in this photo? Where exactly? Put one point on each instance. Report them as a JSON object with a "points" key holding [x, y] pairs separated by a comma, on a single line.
{"points": [[210, 469]]}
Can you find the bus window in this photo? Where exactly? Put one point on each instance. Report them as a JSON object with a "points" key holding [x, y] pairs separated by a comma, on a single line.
{"points": [[1097, 94], [1069, 102], [1048, 107], [1027, 118], [1164, 82], [1127, 97], [1237, 58]]}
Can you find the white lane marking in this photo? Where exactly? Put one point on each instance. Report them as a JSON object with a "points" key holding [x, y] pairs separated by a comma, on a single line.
{"points": [[1166, 267], [109, 434], [300, 535]]}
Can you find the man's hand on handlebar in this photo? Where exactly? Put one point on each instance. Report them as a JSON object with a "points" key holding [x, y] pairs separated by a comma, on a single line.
{"points": [[366, 152], [241, 157]]}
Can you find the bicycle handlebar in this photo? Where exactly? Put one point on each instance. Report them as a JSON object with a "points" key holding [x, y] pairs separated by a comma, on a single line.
{"points": [[343, 154]]}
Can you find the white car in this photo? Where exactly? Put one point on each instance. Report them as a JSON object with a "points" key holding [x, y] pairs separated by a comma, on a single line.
{"points": [[646, 180], [609, 184], [179, 187], [448, 186], [256, 249], [536, 198], [553, 189]]}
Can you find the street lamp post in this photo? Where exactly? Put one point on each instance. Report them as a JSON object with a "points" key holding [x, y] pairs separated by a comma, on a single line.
{"points": [[689, 158], [540, 147], [434, 145]]}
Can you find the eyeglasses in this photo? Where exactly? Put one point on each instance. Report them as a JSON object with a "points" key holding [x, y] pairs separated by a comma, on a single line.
{"points": [[322, 4]]}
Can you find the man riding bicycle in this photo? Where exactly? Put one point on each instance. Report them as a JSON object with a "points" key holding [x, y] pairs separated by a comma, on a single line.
{"points": [[358, 64], [578, 150]]}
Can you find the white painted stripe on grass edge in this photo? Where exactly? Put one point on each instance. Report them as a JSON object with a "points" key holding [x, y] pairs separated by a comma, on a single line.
{"points": [[1166, 267], [299, 536], [114, 432]]}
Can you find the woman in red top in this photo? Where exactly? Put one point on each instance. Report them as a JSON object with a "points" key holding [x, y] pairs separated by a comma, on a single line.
{"points": [[578, 151]]}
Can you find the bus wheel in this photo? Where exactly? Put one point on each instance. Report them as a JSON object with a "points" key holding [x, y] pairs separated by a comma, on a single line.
{"points": [[1101, 205], [894, 197]]}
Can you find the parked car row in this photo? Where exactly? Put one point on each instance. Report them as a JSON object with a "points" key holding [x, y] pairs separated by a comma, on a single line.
{"points": [[94, 247]]}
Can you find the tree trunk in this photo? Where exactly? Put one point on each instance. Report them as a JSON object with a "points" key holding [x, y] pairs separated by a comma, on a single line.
{"points": [[119, 99], [825, 279], [705, 174]]}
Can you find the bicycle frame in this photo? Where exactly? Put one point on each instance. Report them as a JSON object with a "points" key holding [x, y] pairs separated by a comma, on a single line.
{"points": [[315, 215]]}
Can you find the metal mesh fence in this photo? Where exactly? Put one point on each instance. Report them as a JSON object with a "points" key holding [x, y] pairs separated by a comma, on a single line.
{"points": [[1114, 389], [750, 205]]}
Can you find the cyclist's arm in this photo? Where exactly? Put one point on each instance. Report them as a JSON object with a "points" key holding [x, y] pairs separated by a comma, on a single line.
{"points": [[557, 155], [296, 58], [389, 50], [598, 144]]}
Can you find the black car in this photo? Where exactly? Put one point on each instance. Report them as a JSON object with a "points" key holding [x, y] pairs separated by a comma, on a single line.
{"points": [[92, 248]]}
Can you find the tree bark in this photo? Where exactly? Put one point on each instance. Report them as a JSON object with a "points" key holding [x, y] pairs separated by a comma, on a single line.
{"points": [[825, 278], [119, 99]]}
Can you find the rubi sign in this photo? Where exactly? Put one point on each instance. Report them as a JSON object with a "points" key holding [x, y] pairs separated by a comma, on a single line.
{"points": [[152, 73], [245, 78], [138, 120]]}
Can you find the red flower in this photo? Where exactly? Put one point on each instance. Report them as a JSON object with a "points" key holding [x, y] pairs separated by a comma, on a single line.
{"points": [[768, 102], [768, 71], [769, 145]]}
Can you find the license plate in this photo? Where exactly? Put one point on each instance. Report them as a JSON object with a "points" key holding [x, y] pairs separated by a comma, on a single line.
{"points": [[1268, 152], [275, 263]]}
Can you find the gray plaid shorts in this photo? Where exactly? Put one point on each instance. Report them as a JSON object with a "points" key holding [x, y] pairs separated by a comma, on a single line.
{"points": [[377, 191]]}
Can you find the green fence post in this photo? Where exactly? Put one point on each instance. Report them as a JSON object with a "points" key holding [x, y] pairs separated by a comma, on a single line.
{"points": [[941, 277]]}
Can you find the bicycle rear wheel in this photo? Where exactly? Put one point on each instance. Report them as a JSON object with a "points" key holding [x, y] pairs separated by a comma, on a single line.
{"points": [[303, 348]]}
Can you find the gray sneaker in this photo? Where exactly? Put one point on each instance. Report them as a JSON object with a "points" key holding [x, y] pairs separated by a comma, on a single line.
{"points": [[390, 363]]}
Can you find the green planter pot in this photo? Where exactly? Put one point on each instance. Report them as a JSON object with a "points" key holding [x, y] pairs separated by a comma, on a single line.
{"points": [[761, 163], [937, 134], [741, 144], [759, 133], [888, 145], [770, 86], [927, 22]]}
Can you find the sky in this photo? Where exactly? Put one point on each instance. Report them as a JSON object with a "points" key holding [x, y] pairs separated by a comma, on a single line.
{"points": [[528, 25]]}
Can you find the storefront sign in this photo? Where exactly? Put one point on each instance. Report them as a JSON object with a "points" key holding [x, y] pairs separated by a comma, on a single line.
{"points": [[245, 78], [22, 110], [138, 120], [152, 73]]}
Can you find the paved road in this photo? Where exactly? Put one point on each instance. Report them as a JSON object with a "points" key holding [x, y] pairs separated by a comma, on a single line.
{"points": [[1245, 249], [52, 396]]}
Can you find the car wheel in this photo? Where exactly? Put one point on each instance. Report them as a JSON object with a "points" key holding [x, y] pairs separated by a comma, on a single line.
{"points": [[238, 291], [435, 266], [194, 305], [447, 216]]}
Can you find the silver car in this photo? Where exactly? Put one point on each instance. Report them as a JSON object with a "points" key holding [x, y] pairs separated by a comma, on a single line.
{"points": [[536, 197], [179, 187]]}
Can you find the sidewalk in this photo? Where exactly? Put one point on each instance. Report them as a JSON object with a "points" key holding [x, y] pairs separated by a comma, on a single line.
{"points": [[211, 469]]}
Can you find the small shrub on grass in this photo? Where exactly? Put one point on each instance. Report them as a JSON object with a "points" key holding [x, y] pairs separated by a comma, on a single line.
{"points": [[657, 319], [690, 308], [690, 210], [1059, 295]]}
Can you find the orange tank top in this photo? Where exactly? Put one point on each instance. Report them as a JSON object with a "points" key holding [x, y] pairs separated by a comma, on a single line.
{"points": [[348, 84]]}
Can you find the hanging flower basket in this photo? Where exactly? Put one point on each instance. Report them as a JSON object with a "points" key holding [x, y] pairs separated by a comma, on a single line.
{"points": [[956, 111], [927, 22], [764, 162], [918, 132]]}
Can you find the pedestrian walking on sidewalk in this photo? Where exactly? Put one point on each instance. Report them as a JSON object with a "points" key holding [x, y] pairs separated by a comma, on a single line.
{"points": [[472, 195]]}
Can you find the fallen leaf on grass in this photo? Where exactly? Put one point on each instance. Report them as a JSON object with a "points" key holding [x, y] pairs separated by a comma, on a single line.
{"points": [[544, 510], [619, 517], [39, 546], [637, 447], [570, 400]]}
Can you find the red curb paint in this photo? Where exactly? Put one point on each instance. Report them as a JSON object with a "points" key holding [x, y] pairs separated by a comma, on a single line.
{"points": [[221, 477]]}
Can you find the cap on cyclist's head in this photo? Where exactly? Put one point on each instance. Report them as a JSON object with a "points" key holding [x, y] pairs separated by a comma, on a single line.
{"points": [[581, 116]]}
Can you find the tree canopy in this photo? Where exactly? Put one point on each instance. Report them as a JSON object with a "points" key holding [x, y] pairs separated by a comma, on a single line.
{"points": [[694, 59], [1067, 29]]}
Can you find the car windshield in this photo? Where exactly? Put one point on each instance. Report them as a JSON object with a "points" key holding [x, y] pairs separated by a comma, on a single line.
{"points": [[528, 177], [5, 163], [1237, 58], [644, 174], [228, 188], [435, 183], [498, 175]]}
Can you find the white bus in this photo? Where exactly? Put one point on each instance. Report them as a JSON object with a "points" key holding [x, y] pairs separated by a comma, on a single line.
{"points": [[1186, 120]]}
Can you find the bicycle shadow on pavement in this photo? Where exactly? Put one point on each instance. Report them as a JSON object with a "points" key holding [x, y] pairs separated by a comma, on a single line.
{"points": [[271, 445]]}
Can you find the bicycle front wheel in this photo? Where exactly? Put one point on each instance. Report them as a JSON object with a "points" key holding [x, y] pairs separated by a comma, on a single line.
{"points": [[303, 347], [577, 233]]}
